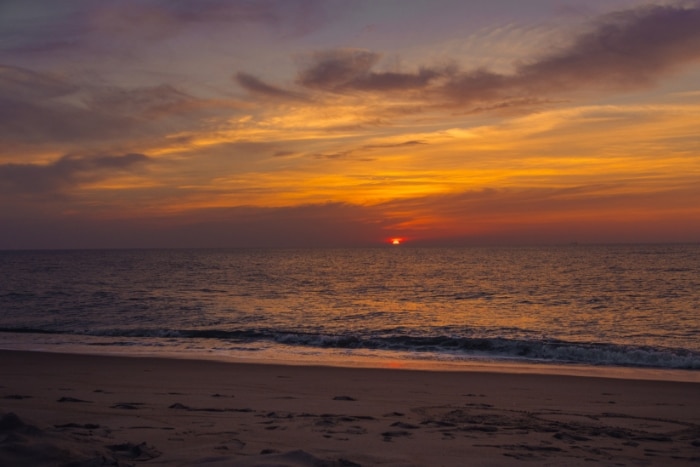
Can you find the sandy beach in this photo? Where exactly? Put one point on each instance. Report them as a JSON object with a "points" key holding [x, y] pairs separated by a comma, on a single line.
{"points": [[80, 410]]}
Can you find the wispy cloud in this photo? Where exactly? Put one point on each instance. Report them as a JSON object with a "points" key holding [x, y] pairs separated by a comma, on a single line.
{"points": [[352, 70], [23, 84], [64, 173], [257, 86], [264, 117], [150, 101], [37, 123], [394, 145], [627, 50], [96, 26], [41, 107]]}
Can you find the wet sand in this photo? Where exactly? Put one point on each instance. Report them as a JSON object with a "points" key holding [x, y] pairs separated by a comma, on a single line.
{"points": [[81, 410]]}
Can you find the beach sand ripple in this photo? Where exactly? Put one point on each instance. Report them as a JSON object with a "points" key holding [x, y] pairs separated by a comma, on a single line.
{"points": [[154, 412]]}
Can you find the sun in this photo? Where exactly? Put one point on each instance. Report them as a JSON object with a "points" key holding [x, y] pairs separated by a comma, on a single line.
{"points": [[395, 241]]}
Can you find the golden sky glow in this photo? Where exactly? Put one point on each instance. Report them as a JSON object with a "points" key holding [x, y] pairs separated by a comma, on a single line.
{"points": [[146, 124]]}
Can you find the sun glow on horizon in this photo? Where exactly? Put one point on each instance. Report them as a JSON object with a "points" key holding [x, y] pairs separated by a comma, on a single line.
{"points": [[342, 139]]}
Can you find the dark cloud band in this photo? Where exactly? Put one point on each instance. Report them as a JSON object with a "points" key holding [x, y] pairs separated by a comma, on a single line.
{"points": [[64, 172]]}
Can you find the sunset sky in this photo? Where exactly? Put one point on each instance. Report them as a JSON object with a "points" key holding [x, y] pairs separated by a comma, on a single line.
{"points": [[227, 123]]}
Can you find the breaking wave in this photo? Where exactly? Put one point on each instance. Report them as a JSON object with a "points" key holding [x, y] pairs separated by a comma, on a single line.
{"points": [[449, 347]]}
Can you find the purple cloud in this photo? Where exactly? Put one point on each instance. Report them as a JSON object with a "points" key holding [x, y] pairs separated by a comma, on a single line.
{"points": [[23, 84], [145, 101], [63, 173], [38, 107], [36, 123], [93, 25], [31, 111], [625, 50], [259, 87], [351, 70]]}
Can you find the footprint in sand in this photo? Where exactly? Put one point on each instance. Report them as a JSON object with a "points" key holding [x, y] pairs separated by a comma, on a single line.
{"points": [[127, 405], [72, 399], [344, 398], [137, 452], [390, 435]]}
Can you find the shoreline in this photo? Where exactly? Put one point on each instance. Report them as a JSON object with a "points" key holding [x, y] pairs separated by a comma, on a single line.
{"points": [[163, 411], [387, 362]]}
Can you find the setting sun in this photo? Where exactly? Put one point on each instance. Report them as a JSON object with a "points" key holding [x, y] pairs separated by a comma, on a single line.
{"points": [[473, 132], [235, 173]]}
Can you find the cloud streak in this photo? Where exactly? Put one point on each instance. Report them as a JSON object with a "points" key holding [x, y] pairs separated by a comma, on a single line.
{"points": [[256, 86], [290, 122], [64, 173], [39, 108], [23, 84], [94, 26], [626, 50], [149, 102], [351, 70]]}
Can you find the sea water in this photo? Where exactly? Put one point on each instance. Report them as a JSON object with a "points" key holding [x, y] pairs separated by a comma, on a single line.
{"points": [[602, 305]]}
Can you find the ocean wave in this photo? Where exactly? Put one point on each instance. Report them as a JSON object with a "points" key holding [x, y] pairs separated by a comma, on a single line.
{"points": [[553, 351], [452, 347]]}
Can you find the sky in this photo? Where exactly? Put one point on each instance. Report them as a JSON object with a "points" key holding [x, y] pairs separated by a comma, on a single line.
{"points": [[334, 123]]}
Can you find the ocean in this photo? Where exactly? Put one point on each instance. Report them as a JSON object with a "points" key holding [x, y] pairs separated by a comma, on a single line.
{"points": [[619, 306]]}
